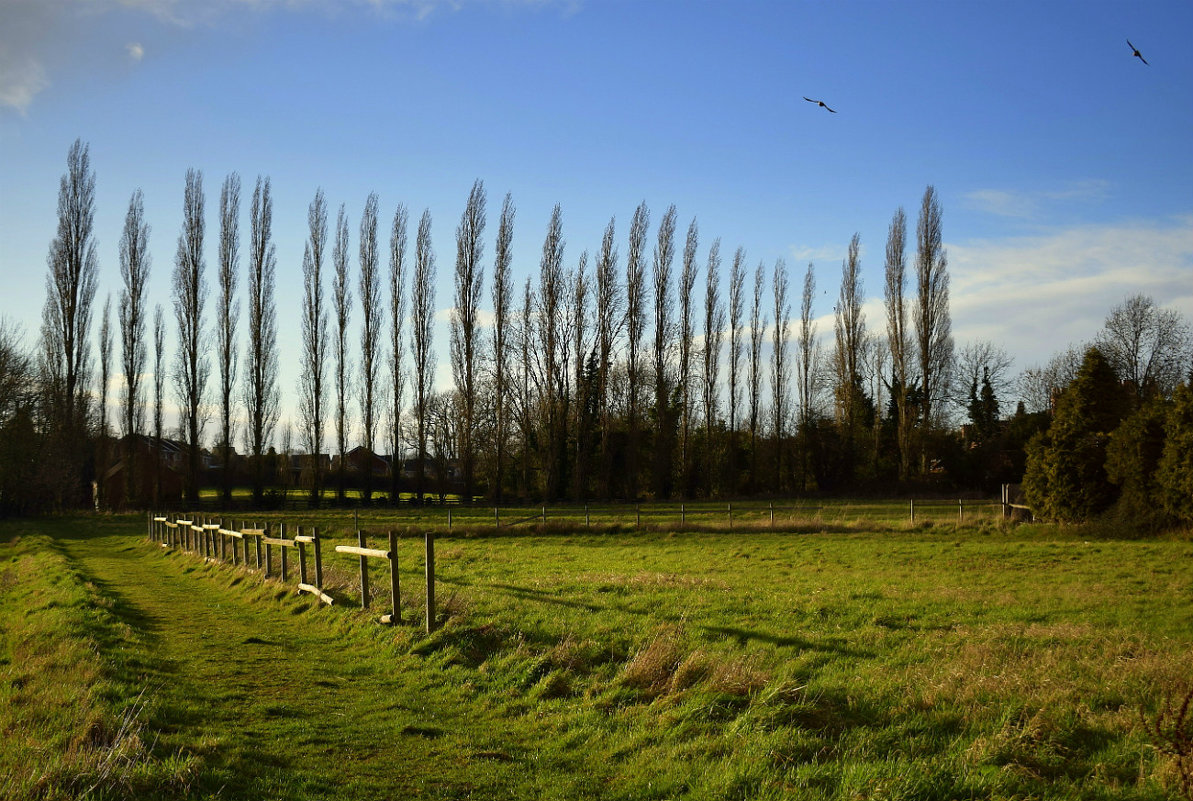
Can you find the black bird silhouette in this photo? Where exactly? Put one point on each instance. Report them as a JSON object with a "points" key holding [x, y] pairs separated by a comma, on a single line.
{"points": [[818, 102], [1135, 52]]}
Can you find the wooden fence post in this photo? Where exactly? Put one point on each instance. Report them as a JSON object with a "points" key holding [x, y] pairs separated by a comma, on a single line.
{"points": [[257, 547], [731, 517], [364, 572], [682, 515], [268, 552], [772, 514], [302, 558], [282, 549], [318, 560], [913, 510], [587, 523], [960, 510], [395, 590], [430, 538], [496, 517]]}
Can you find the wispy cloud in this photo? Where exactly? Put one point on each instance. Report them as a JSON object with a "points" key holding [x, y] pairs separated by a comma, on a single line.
{"points": [[1028, 204], [1036, 294], [38, 38]]}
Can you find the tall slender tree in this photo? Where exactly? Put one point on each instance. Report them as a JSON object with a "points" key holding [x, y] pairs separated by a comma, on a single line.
{"points": [[227, 317], [808, 367], [341, 304], [397, 341], [159, 398], [933, 325], [134, 275], [552, 342], [370, 335], [757, 329], [261, 392], [898, 335], [66, 317], [780, 375], [714, 325], [664, 307], [609, 305], [737, 301], [502, 341], [849, 327], [687, 284], [470, 276], [105, 378], [526, 339], [314, 343], [422, 311], [582, 386], [190, 296], [635, 326]]}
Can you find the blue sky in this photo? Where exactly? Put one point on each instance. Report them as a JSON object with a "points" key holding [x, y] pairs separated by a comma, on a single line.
{"points": [[1064, 165]]}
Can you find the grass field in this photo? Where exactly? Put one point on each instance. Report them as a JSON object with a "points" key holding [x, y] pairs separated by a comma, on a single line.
{"points": [[827, 659]]}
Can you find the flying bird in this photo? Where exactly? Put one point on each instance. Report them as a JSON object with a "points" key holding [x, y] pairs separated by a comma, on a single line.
{"points": [[1135, 52], [818, 102]]}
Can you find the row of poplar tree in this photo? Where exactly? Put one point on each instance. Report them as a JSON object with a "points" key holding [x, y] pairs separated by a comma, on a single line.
{"points": [[589, 381]]}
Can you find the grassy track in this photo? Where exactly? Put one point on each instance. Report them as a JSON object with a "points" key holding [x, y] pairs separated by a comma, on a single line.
{"points": [[931, 663]]}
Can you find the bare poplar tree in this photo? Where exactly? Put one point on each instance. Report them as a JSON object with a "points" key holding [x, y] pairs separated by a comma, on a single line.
{"points": [[849, 327], [190, 295], [609, 302], [757, 329], [134, 275], [714, 325], [664, 306], [933, 325], [422, 312], [808, 365], [397, 325], [470, 276], [552, 342], [898, 336], [780, 377], [635, 325], [159, 401], [105, 376], [502, 342], [228, 314], [370, 334], [341, 291], [314, 343], [526, 337], [737, 289], [687, 283], [261, 392], [580, 344], [66, 317]]}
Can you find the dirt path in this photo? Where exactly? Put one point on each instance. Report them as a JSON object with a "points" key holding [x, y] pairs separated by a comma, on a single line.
{"points": [[278, 705]]}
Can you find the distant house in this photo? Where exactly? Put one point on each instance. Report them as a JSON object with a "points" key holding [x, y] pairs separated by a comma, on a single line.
{"points": [[171, 472], [361, 460]]}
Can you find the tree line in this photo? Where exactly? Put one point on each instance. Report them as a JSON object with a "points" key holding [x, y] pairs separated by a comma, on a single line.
{"points": [[599, 377]]}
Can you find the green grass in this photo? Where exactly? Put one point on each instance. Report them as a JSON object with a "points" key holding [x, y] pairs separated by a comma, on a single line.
{"points": [[828, 659]]}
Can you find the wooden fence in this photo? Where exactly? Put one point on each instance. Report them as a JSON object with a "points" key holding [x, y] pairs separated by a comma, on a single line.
{"points": [[233, 545]]}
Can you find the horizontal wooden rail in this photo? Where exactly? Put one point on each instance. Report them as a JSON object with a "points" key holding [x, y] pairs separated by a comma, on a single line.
{"points": [[318, 593], [279, 542], [375, 553]]}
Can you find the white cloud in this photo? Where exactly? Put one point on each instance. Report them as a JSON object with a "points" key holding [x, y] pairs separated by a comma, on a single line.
{"points": [[20, 82], [1037, 294], [1030, 204], [135, 51]]}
